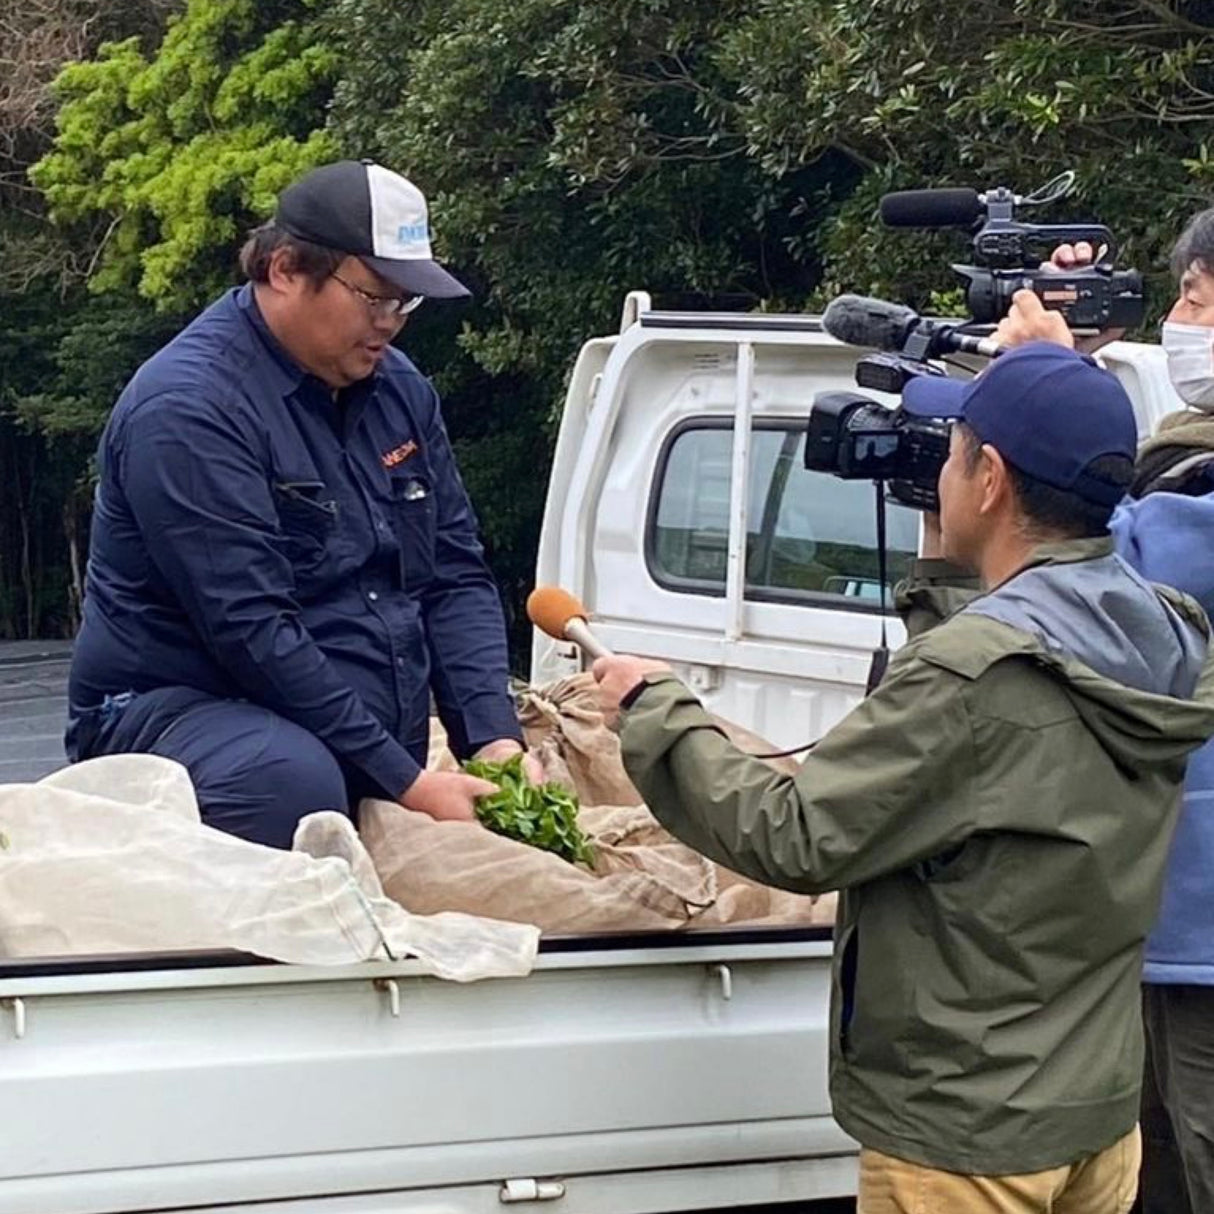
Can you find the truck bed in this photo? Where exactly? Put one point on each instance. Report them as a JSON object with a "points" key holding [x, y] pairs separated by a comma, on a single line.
{"points": [[675, 1073], [627, 1074]]}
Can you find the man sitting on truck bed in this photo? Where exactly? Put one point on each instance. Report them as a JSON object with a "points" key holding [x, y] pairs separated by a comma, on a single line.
{"points": [[284, 564], [997, 813]]}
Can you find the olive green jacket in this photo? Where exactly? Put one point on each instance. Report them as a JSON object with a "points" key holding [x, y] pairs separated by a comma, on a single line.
{"points": [[998, 814]]}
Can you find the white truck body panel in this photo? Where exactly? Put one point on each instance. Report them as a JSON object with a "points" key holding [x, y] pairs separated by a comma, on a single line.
{"points": [[230, 1087]]}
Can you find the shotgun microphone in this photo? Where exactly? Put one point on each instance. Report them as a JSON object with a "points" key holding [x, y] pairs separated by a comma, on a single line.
{"points": [[861, 321]]}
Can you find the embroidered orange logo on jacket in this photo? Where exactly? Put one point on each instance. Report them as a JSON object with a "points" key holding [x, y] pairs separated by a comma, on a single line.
{"points": [[398, 455]]}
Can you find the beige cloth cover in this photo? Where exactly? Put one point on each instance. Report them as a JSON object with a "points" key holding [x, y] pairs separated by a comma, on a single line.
{"points": [[110, 856], [643, 878]]}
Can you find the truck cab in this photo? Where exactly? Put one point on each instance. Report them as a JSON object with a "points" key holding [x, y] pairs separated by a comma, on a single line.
{"points": [[680, 512]]}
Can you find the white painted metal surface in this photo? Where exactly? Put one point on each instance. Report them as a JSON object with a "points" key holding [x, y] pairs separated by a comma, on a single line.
{"points": [[739, 494], [1143, 372], [787, 670], [228, 1087]]}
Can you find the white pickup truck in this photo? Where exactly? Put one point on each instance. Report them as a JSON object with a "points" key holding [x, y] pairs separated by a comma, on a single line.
{"points": [[624, 1075]]}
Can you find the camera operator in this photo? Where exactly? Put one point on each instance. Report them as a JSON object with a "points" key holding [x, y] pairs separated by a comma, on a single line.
{"points": [[996, 813], [1165, 529]]}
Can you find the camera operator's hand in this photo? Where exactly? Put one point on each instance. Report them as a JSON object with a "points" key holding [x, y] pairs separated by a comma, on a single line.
{"points": [[1033, 322], [1071, 257], [1029, 320], [1075, 257]]}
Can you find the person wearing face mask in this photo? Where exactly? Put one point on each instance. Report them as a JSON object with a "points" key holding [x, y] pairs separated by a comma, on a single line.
{"points": [[284, 567], [1165, 529]]}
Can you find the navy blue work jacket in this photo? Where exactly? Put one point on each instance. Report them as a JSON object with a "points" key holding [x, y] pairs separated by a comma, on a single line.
{"points": [[255, 538]]}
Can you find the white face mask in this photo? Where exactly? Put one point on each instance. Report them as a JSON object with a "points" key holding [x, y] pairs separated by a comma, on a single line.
{"points": [[1190, 351]]}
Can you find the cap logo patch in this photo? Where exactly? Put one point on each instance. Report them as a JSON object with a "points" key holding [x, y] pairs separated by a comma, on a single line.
{"points": [[398, 455], [408, 232]]}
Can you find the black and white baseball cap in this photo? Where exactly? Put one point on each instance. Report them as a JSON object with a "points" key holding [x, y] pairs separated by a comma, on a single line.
{"points": [[374, 214]]}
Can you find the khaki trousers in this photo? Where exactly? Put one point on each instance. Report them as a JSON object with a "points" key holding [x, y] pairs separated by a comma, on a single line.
{"points": [[1101, 1184]]}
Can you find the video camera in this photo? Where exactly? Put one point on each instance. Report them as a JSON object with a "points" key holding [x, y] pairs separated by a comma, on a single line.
{"points": [[1008, 255], [855, 438]]}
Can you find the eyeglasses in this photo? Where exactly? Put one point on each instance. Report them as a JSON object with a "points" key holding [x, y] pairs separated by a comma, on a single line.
{"points": [[388, 307]]}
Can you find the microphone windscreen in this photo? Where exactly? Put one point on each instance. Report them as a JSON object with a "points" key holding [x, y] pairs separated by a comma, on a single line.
{"points": [[550, 608], [861, 321], [930, 208]]}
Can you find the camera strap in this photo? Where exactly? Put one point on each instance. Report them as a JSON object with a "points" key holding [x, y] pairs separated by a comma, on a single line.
{"points": [[876, 669]]}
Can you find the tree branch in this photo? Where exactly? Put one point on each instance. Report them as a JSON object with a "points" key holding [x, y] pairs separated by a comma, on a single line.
{"points": [[1171, 19]]}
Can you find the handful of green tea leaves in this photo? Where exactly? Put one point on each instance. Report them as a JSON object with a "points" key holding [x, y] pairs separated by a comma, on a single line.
{"points": [[543, 815]]}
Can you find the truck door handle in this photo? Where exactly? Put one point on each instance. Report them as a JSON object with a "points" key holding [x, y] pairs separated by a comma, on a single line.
{"points": [[513, 1192]]}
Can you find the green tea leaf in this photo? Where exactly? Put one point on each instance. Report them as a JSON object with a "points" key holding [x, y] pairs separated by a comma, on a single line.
{"points": [[544, 816]]}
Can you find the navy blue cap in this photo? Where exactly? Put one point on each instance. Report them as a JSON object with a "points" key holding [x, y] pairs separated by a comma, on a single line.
{"points": [[1047, 410], [361, 208]]}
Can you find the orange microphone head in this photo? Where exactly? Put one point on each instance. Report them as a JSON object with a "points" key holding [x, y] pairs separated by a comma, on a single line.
{"points": [[550, 609]]}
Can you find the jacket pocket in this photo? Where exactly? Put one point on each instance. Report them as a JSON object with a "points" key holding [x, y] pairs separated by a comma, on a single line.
{"points": [[953, 864], [849, 959], [307, 519], [415, 521]]}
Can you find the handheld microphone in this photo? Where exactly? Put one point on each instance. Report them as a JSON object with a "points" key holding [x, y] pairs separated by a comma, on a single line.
{"points": [[561, 615], [861, 321]]}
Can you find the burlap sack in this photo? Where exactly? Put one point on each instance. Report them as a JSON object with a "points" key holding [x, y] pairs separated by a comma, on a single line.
{"points": [[564, 719], [565, 728], [439, 756], [643, 879], [741, 901]]}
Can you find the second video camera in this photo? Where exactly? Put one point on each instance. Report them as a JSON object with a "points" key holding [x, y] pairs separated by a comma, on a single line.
{"points": [[1008, 254]]}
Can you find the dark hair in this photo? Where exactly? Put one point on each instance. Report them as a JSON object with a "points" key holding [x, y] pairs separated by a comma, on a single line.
{"points": [[1059, 512], [315, 261], [1196, 245]]}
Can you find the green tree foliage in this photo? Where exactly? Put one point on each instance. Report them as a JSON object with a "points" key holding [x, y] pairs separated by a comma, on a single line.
{"points": [[181, 151], [717, 152], [42, 303], [1121, 91], [169, 142], [575, 152]]}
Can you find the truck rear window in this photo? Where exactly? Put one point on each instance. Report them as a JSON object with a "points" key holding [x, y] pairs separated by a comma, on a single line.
{"points": [[810, 537]]}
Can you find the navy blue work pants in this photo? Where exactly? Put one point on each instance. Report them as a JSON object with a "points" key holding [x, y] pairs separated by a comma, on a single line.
{"points": [[255, 773], [1178, 1099]]}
